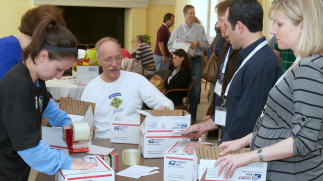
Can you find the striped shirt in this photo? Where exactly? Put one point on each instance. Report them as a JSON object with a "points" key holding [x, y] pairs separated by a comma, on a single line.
{"points": [[145, 56], [295, 109]]}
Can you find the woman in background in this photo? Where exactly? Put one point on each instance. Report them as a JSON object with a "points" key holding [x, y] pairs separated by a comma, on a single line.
{"points": [[179, 78]]}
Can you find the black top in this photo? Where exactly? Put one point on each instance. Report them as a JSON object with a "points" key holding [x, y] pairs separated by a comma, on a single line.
{"points": [[180, 80], [249, 90], [21, 109]]}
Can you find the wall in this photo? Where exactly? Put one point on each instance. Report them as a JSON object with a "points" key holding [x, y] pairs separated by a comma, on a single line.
{"points": [[10, 13], [155, 16]]}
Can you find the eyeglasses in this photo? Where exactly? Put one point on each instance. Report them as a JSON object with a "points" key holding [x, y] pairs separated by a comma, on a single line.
{"points": [[109, 60]]}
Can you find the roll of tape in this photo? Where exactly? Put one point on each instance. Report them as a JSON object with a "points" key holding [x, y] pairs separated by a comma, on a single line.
{"points": [[131, 157], [81, 131]]}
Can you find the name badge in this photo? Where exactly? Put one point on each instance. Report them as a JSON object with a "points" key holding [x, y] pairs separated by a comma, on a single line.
{"points": [[220, 115], [218, 88]]}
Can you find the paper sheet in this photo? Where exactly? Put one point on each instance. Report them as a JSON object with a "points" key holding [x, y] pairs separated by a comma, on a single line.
{"points": [[138, 171], [98, 150], [75, 118]]}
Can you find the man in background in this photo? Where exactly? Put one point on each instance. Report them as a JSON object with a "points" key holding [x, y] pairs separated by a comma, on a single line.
{"points": [[161, 54], [195, 34]]}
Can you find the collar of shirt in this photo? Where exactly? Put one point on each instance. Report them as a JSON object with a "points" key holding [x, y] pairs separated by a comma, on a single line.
{"points": [[166, 25], [245, 52], [188, 26]]}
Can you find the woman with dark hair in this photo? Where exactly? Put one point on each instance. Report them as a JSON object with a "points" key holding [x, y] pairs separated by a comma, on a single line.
{"points": [[24, 98], [12, 46], [179, 78]]}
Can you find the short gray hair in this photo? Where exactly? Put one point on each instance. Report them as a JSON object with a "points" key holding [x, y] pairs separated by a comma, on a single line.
{"points": [[140, 38], [98, 44]]}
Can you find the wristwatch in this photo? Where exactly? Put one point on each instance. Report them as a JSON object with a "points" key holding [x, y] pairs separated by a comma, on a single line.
{"points": [[259, 152]]}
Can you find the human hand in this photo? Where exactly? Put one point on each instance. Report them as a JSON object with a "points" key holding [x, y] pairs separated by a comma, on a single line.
{"points": [[194, 44], [230, 162], [64, 128], [195, 135], [189, 148], [164, 59], [231, 146], [76, 165], [206, 117]]}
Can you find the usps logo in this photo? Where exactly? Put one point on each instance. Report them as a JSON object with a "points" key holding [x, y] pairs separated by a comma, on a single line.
{"points": [[184, 126], [117, 128], [151, 141], [258, 176], [172, 162]]}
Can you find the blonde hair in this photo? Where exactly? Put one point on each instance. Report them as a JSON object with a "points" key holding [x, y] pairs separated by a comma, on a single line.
{"points": [[308, 12]]}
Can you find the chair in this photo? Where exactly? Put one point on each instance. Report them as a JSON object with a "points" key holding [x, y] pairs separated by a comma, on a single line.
{"points": [[185, 104], [143, 71]]}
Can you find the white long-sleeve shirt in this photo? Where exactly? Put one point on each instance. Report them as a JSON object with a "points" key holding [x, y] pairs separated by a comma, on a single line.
{"points": [[121, 97]]}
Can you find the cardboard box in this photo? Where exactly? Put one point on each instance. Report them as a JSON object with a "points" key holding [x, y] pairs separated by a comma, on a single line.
{"points": [[156, 130], [178, 165], [205, 156], [125, 129], [102, 172], [85, 74], [53, 135]]}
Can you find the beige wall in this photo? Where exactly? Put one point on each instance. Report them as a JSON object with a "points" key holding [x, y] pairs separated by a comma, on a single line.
{"points": [[10, 13]]}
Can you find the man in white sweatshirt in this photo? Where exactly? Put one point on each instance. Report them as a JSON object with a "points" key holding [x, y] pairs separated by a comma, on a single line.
{"points": [[116, 92]]}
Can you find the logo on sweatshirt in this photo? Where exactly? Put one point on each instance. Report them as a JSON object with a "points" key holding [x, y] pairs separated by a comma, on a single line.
{"points": [[40, 102]]}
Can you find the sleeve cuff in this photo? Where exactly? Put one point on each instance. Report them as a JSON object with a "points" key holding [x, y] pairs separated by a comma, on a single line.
{"points": [[66, 122], [67, 163]]}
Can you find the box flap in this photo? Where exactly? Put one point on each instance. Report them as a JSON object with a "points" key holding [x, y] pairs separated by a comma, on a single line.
{"points": [[77, 107], [163, 113], [212, 152]]}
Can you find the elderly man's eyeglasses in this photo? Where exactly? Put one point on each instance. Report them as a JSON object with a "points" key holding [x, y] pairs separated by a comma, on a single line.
{"points": [[109, 60]]}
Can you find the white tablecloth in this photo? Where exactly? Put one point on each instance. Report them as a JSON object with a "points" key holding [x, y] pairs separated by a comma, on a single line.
{"points": [[64, 88]]}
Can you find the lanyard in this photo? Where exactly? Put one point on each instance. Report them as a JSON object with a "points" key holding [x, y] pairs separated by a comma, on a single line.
{"points": [[226, 60], [189, 31], [172, 75], [244, 62]]}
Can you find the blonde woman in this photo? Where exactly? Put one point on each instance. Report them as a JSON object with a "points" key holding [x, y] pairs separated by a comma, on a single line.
{"points": [[289, 133]]}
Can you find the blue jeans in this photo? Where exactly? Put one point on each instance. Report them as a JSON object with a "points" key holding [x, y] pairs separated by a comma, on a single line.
{"points": [[196, 66], [159, 62]]}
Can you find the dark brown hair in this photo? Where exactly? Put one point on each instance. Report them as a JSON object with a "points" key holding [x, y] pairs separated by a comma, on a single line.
{"points": [[168, 16], [186, 63], [222, 7], [31, 19], [187, 7], [50, 33]]}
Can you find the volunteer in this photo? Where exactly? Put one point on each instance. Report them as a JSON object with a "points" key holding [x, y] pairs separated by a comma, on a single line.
{"points": [[24, 98], [288, 135]]}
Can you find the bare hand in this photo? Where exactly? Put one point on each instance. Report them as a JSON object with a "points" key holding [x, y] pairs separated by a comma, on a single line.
{"points": [[231, 146], [64, 134], [195, 135], [230, 162], [206, 117], [194, 44], [165, 60], [76, 165], [189, 148]]}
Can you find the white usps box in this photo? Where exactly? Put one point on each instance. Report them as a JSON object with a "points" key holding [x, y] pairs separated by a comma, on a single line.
{"points": [[205, 157], [178, 165], [156, 130], [86, 73], [125, 129], [102, 172]]}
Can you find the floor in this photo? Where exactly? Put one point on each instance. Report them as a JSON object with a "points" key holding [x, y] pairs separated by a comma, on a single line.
{"points": [[201, 110]]}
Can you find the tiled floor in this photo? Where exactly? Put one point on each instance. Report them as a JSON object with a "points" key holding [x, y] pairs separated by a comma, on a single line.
{"points": [[201, 110]]}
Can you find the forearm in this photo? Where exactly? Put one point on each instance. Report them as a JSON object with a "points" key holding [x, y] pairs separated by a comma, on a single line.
{"points": [[271, 153], [208, 125], [203, 45], [55, 116], [162, 48]]}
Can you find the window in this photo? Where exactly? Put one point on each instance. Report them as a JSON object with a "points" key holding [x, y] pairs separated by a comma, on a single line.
{"points": [[204, 11]]}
